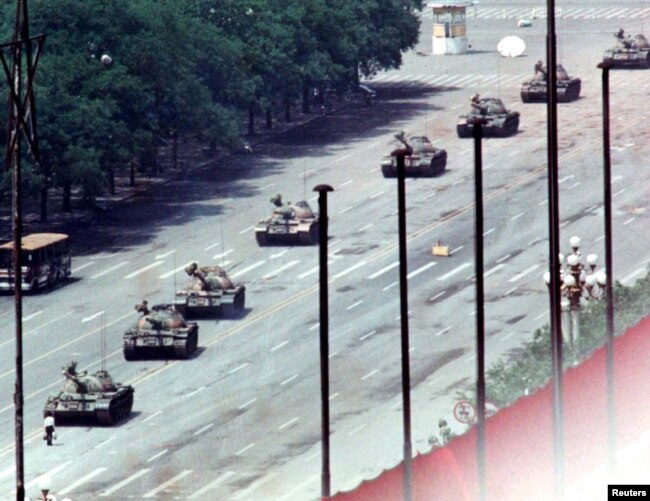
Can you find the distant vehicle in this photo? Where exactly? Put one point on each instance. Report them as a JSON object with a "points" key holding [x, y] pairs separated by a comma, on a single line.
{"points": [[629, 52], [161, 330], [90, 396], [500, 122], [568, 88], [210, 291], [45, 261], [289, 224], [425, 161]]}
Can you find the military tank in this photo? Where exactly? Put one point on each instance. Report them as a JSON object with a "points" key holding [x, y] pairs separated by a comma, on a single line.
{"points": [[425, 161], [568, 88], [160, 330], [210, 291], [89, 397], [629, 52], [500, 122], [288, 224]]}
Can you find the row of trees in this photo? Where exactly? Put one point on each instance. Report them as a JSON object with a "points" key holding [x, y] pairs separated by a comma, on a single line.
{"points": [[190, 69]]}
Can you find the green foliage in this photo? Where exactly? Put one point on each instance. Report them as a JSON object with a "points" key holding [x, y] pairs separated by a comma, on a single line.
{"points": [[508, 380]]}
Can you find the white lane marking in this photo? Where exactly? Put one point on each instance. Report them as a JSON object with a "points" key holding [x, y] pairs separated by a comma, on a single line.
{"points": [[205, 428], [288, 423], [508, 292], [370, 146], [459, 181], [7, 472], [102, 444], [366, 336], [288, 380], [366, 227], [573, 185], [152, 493], [278, 346], [166, 254], [488, 166], [378, 194], [212, 485], [542, 314], [241, 451], [629, 221], [383, 270], [313, 198], [434, 381], [421, 269], [152, 416], [223, 254], [211, 246], [239, 368], [107, 271], [246, 404], [125, 482], [279, 254], [352, 306], [332, 355], [347, 209], [334, 395], [501, 259], [440, 333], [523, 273], [344, 157], [544, 202], [350, 269], [50, 474], [270, 185], [247, 229], [349, 181], [310, 272], [92, 317], [192, 393], [311, 481], [315, 326], [173, 272], [618, 193], [616, 178], [493, 270], [33, 315], [82, 480], [426, 197], [276, 272], [245, 494], [142, 270], [79, 268], [507, 336], [632, 275], [251, 267], [156, 456], [356, 430], [334, 242], [454, 271], [454, 251], [440, 294], [389, 286], [370, 374], [488, 232], [514, 218]]}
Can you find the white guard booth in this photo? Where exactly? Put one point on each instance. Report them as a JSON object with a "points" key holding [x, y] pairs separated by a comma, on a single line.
{"points": [[450, 27]]}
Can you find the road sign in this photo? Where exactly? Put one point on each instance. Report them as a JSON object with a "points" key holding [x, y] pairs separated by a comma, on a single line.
{"points": [[464, 412]]}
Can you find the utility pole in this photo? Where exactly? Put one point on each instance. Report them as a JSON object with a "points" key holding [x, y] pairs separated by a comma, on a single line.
{"points": [[21, 124]]}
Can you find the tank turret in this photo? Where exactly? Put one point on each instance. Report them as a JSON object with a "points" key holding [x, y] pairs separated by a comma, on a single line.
{"points": [[629, 52], [89, 396], [568, 88], [424, 159], [161, 330], [210, 291], [499, 121], [289, 224]]}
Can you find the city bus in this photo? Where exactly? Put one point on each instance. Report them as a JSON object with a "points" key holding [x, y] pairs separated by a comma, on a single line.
{"points": [[45, 261]]}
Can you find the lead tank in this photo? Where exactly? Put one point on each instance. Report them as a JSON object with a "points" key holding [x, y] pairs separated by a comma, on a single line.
{"points": [[210, 291], [629, 52], [161, 330], [424, 161], [89, 397], [568, 88], [500, 121], [289, 224]]}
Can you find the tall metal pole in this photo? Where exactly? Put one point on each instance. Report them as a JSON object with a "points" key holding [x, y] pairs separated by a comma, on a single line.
{"points": [[554, 250], [480, 305], [609, 273], [404, 320], [322, 190], [21, 123]]}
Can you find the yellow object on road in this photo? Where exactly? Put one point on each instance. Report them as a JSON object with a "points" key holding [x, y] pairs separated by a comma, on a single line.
{"points": [[440, 250]]}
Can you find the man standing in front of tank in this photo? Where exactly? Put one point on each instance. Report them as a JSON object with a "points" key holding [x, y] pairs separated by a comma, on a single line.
{"points": [[49, 427]]}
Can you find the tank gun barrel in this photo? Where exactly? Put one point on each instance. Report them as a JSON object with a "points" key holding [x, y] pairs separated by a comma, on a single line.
{"points": [[71, 376], [193, 271], [407, 150]]}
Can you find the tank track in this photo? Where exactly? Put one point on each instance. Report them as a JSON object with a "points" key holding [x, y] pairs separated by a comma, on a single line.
{"points": [[309, 237], [129, 350], [234, 308], [261, 238], [111, 410], [183, 348]]}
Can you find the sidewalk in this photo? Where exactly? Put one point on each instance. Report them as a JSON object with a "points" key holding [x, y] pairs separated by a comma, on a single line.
{"points": [[191, 156]]}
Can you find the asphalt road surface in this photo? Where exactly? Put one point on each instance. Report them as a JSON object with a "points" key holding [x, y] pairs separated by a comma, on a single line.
{"points": [[241, 419]]}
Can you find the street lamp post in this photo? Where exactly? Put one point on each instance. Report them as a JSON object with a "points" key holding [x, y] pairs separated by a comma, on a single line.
{"points": [[577, 282]]}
